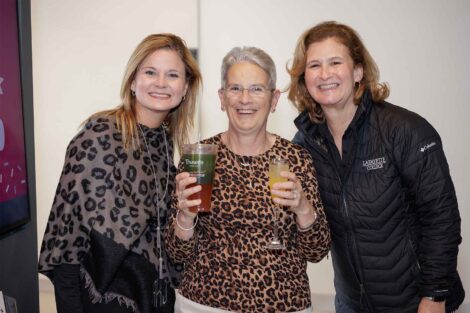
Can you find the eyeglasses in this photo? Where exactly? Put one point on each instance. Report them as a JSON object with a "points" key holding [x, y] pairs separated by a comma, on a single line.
{"points": [[255, 91]]}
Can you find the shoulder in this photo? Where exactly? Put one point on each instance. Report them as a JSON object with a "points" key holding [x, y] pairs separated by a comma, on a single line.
{"points": [[97, 127], [214, 140], [395, 121], [292, 150], [404, 130], [291, 145], [98, 134]]}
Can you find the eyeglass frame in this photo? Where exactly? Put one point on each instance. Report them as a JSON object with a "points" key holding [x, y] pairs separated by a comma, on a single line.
{"points": [[250, 89]]}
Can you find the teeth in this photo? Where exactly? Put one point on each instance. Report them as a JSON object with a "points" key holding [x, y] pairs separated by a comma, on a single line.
{"points": [[156, 94], [328, 86], [246, 111]]}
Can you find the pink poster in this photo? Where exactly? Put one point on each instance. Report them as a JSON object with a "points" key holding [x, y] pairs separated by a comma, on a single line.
{"points": [[13, 180]]}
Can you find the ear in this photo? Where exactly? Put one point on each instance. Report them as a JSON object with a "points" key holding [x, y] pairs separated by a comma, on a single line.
{"points": [[133, 85], [275, 99], [358, 73], [222, 99], [186, 87]]}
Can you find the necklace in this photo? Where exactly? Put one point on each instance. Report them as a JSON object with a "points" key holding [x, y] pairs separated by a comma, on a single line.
{"points": [[165, 190], [247, 162]]}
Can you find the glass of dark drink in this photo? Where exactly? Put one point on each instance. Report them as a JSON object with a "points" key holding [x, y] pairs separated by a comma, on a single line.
{"points": [[199, 162]]}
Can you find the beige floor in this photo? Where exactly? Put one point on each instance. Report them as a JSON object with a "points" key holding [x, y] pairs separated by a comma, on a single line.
{"points": [[47, 300]]}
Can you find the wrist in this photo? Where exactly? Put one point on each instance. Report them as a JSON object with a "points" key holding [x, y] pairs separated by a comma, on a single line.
{"points": [[306, 221], [185, 221]]}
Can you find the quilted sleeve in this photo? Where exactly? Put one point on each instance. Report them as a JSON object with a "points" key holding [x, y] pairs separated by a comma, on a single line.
{"points": [[430, 191]]}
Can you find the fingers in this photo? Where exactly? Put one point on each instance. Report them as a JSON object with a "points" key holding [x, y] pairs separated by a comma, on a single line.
{"points": [[292, 184], [288, 193], [287, 197], [183, 192]]}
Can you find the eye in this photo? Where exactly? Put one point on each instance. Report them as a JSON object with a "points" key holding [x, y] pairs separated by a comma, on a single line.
{"points": [[234, 88], [150, 72], [312, 65], [257, 89], [173, 75], [336, 62]]}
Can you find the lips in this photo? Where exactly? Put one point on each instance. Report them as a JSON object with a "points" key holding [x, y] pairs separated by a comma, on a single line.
{"points": [[246, 111], [159, 95], [328, 86]]}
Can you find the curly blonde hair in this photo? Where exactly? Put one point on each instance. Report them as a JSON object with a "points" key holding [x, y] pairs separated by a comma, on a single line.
{"points": [[297, 90]]}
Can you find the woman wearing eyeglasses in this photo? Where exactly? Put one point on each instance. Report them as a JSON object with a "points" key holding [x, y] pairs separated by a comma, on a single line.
{"points": [[228, 263]]}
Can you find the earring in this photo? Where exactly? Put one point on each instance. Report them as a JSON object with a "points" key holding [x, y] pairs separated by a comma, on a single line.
{"points": [[133, 93]]}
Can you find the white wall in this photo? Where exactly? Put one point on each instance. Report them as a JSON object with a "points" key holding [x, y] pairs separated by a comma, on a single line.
{"points": [[80, 49], [422, 48]]}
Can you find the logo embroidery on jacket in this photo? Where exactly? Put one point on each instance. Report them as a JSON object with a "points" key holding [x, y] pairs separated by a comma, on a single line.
{"points": [[319, 141], [374, 163], [428, 146]]}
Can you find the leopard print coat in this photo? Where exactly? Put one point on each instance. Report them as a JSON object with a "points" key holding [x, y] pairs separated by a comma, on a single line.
{"points": [[103, 214], [226, 263]]}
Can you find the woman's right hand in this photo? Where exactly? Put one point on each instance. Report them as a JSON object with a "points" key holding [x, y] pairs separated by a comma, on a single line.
{"points": [[185, 216]]}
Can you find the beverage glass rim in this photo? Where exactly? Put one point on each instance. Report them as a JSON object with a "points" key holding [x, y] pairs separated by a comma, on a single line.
{"points": [[277, 160], [196, 147]]}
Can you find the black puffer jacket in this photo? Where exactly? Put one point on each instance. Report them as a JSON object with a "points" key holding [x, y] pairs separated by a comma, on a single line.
{"points": [[394, 218]]}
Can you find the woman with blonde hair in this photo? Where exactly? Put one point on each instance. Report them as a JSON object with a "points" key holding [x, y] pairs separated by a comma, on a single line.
{"points": [[103, 246], [383, 178]]}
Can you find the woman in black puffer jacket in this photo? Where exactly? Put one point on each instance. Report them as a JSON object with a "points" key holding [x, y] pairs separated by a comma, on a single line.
{"points": [[383, 177]]}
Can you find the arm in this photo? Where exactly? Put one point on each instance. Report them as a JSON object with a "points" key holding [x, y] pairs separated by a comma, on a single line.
{"points": [[180, 236], [429, 306], [302, 196], [431, 196]]}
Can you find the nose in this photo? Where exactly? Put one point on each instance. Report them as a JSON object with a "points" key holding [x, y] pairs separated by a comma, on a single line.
{"points": [[245, 96], [160, 81], [324, 72]]}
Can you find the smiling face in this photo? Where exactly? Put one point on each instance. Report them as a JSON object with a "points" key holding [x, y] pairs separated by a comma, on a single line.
{"points": [[330, 74], [159, 86], [247, 111]]}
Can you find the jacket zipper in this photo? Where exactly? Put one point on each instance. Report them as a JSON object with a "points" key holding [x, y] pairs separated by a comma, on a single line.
{"points": [[414, 254], [358, 267]]}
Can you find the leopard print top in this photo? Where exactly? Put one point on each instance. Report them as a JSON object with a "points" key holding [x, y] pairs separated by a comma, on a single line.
{"points": [[102, 209], [226, 263]]}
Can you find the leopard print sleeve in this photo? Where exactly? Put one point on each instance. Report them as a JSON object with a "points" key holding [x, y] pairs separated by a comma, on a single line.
{"points": [[313, 243], [179, 250]]}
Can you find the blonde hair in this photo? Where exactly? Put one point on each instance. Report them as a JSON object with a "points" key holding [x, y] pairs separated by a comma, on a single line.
{"points": [[297, 90], [180, 120]]}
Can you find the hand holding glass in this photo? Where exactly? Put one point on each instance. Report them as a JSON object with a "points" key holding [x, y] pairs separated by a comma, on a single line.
{"points": [[199, 161]]}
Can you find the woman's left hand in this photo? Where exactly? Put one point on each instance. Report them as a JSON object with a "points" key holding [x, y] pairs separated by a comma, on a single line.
{"points": [[291, 195]]}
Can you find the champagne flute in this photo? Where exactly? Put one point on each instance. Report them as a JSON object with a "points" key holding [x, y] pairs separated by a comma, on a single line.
{"points": [[276, 166]]}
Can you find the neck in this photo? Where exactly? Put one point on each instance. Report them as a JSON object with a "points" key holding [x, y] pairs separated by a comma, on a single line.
{"points": [[248, 145], [150, 120], [338, 120]]}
